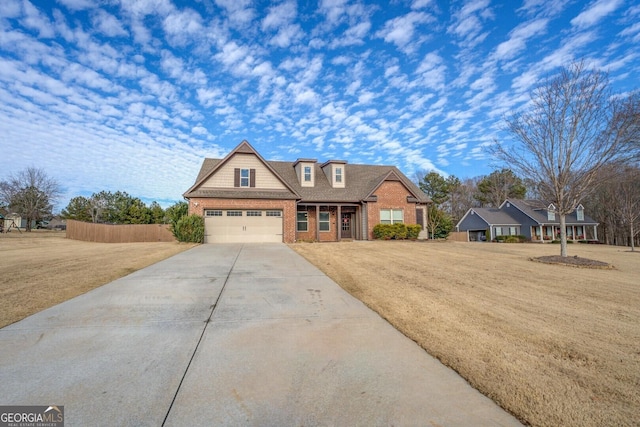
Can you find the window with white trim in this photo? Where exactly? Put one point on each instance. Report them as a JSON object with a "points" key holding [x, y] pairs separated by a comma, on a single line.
{"points": [[324, 221], [338, 174], [234, 213], [274, 213], [213, 213], [302, 223], [254, 213], [580, 213], [391, 216], [244, 177], [498, 231], [307, 174]]}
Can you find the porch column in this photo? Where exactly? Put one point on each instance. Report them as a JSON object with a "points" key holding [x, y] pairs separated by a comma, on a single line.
{"points": [[339, 223], [595, 232], [318, 222]]}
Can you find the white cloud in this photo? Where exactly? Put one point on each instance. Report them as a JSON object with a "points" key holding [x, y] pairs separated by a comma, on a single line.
{"points": [[78, 4], [596, 11], [401, 30], [332, 10], [280, 15], [432, 71], [33, 19], [108, 24], [183, 26], [518, 38], [239, 11]]}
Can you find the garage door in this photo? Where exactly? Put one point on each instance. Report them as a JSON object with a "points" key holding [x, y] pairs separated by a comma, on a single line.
{"points": [[242, 226]]}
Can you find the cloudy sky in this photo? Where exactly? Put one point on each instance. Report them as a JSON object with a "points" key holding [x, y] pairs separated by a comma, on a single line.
{"points": [[132, 95]]}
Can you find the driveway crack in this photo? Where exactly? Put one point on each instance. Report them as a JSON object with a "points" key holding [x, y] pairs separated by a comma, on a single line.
{"points": [[206, 323]]}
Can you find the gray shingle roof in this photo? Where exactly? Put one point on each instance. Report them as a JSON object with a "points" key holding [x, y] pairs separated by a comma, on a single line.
{"points": [[494, 216], [536, 209], [360, 182]]}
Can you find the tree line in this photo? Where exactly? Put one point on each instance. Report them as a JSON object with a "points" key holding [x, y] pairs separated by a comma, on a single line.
{"points": [[120, 208]]}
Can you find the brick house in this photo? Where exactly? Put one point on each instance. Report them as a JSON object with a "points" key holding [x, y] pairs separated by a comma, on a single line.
{"points": [[245, 198]]}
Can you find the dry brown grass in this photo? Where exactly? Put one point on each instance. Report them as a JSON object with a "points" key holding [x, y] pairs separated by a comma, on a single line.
{"points": [[42, 268], [554, 345]]}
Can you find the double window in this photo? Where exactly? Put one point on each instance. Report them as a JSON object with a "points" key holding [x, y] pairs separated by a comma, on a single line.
{"points": [[391, 216], [302, 223]]}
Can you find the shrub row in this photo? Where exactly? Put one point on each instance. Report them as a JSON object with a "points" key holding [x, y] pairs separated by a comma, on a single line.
{"points": [[511, 239], [396, 231]]}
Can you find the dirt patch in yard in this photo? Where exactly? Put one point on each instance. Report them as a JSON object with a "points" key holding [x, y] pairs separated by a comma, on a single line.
{"points": [[42, 268], [552, 345]]}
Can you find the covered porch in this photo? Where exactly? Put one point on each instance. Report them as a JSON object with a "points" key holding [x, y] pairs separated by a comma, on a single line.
{"points": [[328, 222], [547, 233]]}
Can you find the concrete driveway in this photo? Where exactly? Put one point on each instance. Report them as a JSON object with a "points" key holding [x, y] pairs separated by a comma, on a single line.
{"points": [[237, 335]]}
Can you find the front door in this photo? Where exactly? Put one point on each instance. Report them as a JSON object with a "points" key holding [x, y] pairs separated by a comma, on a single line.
{"points": [[346, 226]]}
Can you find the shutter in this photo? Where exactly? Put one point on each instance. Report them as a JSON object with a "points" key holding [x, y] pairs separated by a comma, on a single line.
{"points": [[236, 177], [252, 177]]}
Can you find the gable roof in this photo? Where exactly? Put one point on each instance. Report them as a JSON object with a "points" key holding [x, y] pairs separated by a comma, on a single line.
{"points": [[492, 216], [210, 166], [534, 209], [361, 182]]}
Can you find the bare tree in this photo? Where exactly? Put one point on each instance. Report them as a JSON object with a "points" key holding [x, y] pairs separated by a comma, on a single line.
{"points": [[628, 206], [31, 194], [570, 131]]}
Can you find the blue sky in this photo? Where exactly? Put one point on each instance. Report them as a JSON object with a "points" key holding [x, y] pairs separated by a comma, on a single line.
{"points": [[132, 95]]}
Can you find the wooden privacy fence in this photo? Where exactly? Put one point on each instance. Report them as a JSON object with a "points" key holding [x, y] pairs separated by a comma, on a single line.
{"points": [[458, 236], [107, 233]]}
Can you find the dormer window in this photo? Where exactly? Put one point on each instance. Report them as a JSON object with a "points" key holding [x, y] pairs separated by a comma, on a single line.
{"points": [[580, 213], [334, 170], [305, 169], [551, 212], [338, 175]]}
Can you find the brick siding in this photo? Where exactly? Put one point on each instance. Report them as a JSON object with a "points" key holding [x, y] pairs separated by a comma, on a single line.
{"points": [[391, 195]]}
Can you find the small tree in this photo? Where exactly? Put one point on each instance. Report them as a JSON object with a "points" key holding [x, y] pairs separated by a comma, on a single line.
{"points": [[439, 223], [175, 212], [31, 194], [157, 213], [189, 229], [572, 129], [79, 208]]}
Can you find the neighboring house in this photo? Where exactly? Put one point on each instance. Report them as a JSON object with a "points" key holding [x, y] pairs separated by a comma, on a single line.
{"points": [[245, 198], [526, 218]]}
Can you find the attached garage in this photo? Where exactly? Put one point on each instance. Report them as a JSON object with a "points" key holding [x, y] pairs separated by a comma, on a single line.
{"points": [[242, 226]]}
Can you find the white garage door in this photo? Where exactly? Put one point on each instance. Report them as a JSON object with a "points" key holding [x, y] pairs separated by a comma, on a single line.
{"points": [[242, 226]]}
